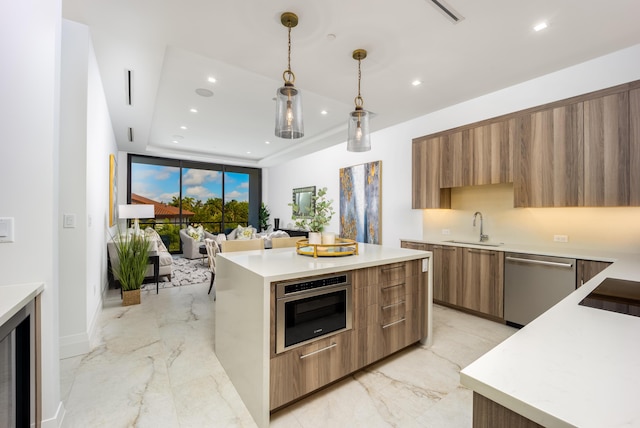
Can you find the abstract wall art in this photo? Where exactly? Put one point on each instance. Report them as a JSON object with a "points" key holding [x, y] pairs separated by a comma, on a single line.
{"points": [[360, 202]]}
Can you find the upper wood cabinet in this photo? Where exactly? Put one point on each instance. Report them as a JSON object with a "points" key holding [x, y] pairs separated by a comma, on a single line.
{"points": [[491, 153], [607, 160], [547, 163], [426, 189], [583, 151], [634, 146]]}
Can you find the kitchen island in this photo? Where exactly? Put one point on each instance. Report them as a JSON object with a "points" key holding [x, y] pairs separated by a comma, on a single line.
{"points": [[245, 311], [574, 366]]}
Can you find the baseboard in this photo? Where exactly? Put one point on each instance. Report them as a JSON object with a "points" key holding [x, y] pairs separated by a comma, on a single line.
{"points": [[56, 421], [76, 344]]}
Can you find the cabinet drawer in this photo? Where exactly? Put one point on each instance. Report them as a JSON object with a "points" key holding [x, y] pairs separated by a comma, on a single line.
{"points": [[307, 368], [392, 274], [392, 294], [393, 312]]}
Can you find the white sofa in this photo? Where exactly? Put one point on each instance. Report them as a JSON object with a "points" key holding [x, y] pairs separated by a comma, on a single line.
{"points": [[250, 233]]}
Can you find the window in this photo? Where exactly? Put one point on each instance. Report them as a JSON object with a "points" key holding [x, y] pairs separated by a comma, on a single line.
{"points": [[219, 197]]}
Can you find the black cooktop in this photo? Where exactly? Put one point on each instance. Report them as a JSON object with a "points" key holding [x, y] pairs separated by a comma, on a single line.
{"points": [[616, 295]]}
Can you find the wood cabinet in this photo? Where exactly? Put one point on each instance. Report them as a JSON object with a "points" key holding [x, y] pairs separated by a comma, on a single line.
{"points": [[447, 274], [634, 146], [483, 281], [390, 320], [583, 151], [607, 160], [389, 313], [491, 147], [587, 269], [548, 166], [426, 189], [303, 370]]}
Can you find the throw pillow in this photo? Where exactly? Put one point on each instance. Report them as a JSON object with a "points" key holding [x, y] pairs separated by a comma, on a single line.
{"points": [[245, 232], [197, 233]]}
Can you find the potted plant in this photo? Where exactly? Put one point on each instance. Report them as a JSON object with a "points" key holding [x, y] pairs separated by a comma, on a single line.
{"points": [[320, 218], [130, 269], [263, 217]]}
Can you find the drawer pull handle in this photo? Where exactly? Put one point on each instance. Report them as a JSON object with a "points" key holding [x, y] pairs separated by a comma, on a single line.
{"points": [[439, 247], [401, 302], [394, 323], [333, 345], [392, 286], [388, 269], [491, 253]]}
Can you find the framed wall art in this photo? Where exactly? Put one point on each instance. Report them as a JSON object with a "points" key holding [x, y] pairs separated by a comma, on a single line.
{"points": [[360, 202], [113, 191]]}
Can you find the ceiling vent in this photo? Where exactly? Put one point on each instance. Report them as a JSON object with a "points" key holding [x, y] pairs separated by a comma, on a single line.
{"points": [[450, 13], [127, 86], [130, 135]]}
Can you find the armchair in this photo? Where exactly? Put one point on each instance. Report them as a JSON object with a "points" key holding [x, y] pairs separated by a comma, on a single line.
{"points": [[191, 246]]}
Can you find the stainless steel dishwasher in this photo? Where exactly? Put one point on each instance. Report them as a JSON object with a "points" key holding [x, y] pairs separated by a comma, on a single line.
{"points": [[533, 284]]}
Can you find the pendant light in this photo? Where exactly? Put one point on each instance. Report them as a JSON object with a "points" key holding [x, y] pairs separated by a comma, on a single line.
{"points": [[288, 99], [358, 137]]}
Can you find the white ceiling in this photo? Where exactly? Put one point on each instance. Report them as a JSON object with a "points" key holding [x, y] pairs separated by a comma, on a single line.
{"points": [[172, 47]]}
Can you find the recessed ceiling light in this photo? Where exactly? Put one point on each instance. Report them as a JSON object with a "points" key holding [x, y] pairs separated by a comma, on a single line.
{"points": [[211, 79], [248, 153], [204, 92], [175, 141], [324, 112], [267, 142], [183, 127], [193, 110], [541, 26], [416, 82]]}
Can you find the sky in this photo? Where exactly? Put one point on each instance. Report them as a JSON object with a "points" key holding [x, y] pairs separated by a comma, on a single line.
{"points": [[162, 183]]}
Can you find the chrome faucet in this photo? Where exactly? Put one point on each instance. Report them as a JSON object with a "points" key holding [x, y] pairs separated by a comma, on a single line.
{"points": [[483, 237]]}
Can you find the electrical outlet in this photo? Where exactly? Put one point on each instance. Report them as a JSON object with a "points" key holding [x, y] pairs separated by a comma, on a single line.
{"points": [[560, 238], [446, 231]]}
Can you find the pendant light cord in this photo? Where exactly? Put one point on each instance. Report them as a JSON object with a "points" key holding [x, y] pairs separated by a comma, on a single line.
{"points": [[359, 101]]}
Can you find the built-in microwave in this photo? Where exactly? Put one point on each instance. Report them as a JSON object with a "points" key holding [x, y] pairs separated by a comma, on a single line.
{"points": [[312, 308]]}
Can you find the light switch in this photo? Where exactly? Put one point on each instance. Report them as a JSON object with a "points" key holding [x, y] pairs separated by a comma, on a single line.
{"points": [[6, 229], [69, 220]]}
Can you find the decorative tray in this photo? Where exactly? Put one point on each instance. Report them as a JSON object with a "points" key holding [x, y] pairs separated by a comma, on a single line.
{"points": [[341, 247]]}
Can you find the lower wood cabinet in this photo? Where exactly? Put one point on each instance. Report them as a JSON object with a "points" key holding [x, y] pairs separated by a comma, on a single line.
{"points": [[483, 281], [587, 269], [307, 368], [388, 315], [467, 278]]}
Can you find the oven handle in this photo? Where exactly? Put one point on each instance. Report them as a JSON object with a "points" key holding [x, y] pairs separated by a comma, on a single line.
{"points": [[333, 345], [313, 292]]}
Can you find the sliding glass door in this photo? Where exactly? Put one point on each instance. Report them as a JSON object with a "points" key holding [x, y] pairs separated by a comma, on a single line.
{"points": [[219, 197]]}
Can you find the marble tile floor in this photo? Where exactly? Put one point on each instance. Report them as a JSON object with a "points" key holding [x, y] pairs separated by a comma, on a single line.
{"points": [[153, 366]]}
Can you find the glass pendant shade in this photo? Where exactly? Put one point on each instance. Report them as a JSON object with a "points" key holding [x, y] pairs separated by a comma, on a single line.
{"points": [[289, 123], [358, 134]]}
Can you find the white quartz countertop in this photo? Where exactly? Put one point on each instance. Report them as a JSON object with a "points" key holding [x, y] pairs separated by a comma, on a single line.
{"points": [[284, 263], [572, 366], [555, 249], [15, 297]]}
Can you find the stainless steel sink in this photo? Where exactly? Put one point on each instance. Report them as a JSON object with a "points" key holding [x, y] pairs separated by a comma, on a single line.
{"points": [[484, 244]]}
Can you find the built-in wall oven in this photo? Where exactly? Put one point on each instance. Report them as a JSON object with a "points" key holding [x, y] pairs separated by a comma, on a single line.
{"points": [[312, 308]]}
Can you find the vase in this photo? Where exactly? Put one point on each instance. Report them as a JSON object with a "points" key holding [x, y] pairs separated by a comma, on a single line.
{"points": [[328, 238], [131, 297], [315, 238]]}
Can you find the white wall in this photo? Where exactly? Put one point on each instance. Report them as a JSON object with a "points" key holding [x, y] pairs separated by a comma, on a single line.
{"points": [[393, 147], [87, 139], [29, 84], [72, 196]]}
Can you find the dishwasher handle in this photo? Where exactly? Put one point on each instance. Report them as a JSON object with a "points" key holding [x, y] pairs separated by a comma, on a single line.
{"points": [[539, 262]]}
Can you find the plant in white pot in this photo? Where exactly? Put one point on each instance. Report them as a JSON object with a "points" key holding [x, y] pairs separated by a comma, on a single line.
{"points": [[320, 218], [131, 265]]}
